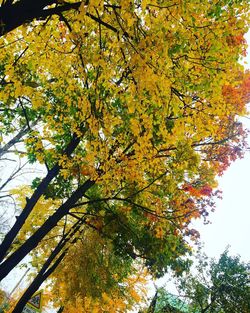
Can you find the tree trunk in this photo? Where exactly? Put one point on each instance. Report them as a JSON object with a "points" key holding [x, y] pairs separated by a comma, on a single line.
{"points": [[40, 278], [47, 269], [11, 235], [48, 225], [13, 15]]}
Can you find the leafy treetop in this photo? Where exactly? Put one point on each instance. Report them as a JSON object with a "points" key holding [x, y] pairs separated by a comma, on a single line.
{"points": [[132, 107]]}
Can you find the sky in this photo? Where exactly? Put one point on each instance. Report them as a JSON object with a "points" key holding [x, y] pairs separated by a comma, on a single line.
{"points": [[230, 223]]}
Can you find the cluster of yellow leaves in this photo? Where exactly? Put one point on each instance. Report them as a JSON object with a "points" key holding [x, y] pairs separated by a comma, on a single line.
{"points": [[145, 95], [42, 210], [143, 86], [112, 303], [82, 286], [107, 303]]}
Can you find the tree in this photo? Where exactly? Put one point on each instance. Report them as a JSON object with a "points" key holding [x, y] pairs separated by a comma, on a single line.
{"points": [[132, 108], [100, 282], [27, 10], [218, 286], [210, 286]]}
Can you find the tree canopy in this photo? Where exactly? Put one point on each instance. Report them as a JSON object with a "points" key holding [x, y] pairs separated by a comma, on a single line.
{"points": [[218, 286], [131, 108], [211, 286]]}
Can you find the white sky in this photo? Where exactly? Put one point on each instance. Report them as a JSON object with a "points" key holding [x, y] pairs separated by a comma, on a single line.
{"points": [[230, 223]]}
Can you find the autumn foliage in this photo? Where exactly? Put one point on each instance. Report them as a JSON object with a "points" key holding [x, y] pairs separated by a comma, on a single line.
{"points": [[132, 109]]}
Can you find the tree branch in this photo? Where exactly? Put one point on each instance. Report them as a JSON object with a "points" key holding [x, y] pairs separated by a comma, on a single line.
{"points": [[11, 235]]}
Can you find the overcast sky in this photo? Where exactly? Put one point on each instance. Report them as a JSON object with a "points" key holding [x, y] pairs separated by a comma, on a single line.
{"points": [[231, 220]]}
